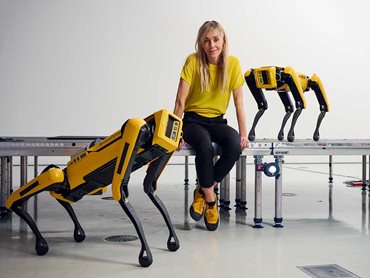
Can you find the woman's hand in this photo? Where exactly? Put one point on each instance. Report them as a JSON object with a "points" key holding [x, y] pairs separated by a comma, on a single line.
{"points": [[244, 142], [181, 144]]}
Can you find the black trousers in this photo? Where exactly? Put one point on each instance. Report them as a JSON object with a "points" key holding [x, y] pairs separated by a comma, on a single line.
{"points": [[199, 132]]}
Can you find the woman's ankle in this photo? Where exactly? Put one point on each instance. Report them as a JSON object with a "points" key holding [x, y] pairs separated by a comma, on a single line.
{"points": [[209, 194]]}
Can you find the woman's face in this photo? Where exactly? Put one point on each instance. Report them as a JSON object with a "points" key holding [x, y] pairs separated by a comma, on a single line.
{"points": [[212, 44]]}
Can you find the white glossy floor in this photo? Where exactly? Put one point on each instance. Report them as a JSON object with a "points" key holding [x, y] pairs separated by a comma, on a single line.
{"points": [[316, 232]]}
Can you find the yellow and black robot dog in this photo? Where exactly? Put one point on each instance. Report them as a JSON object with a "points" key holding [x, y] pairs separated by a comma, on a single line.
{"points": [[110, 161], [284, 80]]}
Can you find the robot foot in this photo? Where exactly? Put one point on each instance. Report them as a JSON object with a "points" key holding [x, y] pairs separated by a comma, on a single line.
{"points": [[145, 261], [174, 244], [79, 235], [291, 136], [41, 247], [251, 136]]}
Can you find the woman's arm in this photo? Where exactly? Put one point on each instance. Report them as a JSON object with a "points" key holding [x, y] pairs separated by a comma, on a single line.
{"points": [[240, 114], [182, 93]]}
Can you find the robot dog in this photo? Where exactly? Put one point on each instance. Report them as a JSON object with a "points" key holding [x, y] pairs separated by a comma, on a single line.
{"points": [[284, 80], [105, 162]]}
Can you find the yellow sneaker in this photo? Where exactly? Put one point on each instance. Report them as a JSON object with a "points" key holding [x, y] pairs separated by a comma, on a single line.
{"points": [[211, 215], [197, 207]]}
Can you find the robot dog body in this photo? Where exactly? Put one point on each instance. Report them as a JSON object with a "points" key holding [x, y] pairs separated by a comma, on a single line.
{"points": [[284, 80], [110, 161]]}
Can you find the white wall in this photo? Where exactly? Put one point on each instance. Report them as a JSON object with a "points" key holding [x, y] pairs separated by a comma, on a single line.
{"points": [[76, 67]]}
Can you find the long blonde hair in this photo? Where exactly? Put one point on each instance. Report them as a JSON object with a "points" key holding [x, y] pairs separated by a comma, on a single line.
{"points": [[222, 63]]}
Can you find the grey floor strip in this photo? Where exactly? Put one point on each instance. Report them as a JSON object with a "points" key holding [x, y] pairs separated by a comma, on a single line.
{"points": [[327, 271]]}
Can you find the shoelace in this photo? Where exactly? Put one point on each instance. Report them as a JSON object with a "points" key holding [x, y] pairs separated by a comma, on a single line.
{"points": [[198, 204], [211, 213]]}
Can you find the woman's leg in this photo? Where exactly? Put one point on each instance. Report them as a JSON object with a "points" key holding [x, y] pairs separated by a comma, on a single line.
{"points": [[199, 138], [229, 140]]}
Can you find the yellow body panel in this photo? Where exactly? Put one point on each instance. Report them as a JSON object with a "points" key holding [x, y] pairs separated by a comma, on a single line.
{"points": [[283, 88], [128, 141], [317, 79], [170, 142], [265, 77], [292, 73], [92, 158], [247, 73], [38, 184], [303, 80]]}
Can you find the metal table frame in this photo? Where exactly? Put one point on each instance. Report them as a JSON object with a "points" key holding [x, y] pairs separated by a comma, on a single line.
{"points": [[277, 149], [67, 146]]}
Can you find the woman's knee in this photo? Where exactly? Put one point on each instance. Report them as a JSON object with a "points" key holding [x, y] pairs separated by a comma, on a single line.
{"points": [[237, 154], [205, 150], [232, 149], [236, 151]]}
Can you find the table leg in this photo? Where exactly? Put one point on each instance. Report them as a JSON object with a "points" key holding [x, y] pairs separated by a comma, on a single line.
{"points": [[258, 194], [237, 183], [243, 190], [186, 195], [330, 168], [279, 193], [364, 182]]}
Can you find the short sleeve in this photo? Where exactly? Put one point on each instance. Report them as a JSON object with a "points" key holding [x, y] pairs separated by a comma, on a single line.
{"points": [[188, 70], [236, 74]]}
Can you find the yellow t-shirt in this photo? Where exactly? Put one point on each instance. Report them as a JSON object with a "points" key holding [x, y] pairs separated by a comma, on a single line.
{"points": [[213, 102]]}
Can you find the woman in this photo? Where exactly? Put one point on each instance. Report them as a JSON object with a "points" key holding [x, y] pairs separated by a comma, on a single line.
{"points": [[208, 78]]}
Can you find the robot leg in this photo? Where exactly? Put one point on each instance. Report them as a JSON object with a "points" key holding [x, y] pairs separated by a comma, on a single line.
{"points": [[252, 132], [79, 234], [316, 85], [41, 246], [260, 100], [316, 134], [289, 108], [50, 178], [145, 256], [173, 242], [290, 77], [155, 168], [294, 121]]}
